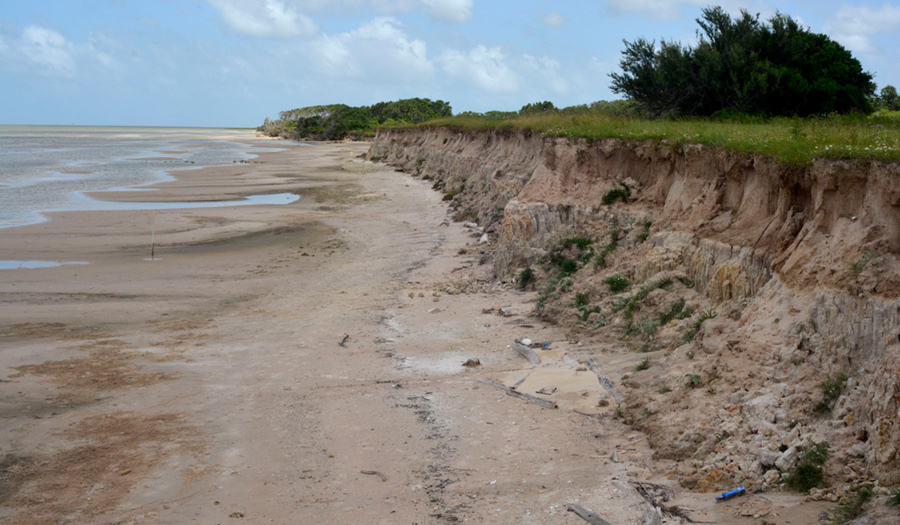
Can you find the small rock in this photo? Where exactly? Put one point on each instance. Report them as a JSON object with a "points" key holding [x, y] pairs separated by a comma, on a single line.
{"points": [[472, 363]]}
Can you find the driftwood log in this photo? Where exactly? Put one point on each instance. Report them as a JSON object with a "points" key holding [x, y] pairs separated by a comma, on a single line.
{"points": [[604, 381], [526, 352], [546, 403], [587, 515]]}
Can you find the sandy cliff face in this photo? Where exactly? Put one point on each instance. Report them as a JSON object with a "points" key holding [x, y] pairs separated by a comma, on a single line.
{"points": [[795, 268]]}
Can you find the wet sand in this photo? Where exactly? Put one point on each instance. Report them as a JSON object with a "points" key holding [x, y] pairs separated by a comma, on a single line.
{"points": [[300, 363]]}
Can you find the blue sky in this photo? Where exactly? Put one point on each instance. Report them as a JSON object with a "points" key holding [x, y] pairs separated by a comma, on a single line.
{"points": [[235, 62]]}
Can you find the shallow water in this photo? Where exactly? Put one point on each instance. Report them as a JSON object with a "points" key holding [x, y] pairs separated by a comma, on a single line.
{"points": [[15, 265], [48, 168]]}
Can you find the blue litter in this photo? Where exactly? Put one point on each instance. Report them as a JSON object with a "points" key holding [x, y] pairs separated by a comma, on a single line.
{"points": [[731, 493]]}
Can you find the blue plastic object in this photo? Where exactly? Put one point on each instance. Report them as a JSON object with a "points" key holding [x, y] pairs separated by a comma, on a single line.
{"points": [[731, 493]]}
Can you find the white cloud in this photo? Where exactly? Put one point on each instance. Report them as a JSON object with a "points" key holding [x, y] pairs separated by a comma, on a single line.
{"points": [[269, 18], [672, 9], [554, 20], [445, 10], [547, 71], [47, 48], [378, 51], [483, 66], [853, 26], [449, 10]]}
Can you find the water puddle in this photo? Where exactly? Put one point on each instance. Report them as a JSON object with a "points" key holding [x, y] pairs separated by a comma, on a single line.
{"points": [[97, 205], [15, 265]]}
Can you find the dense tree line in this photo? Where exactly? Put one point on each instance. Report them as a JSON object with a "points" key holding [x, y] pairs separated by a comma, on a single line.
{"points": [[743, 65], [338, 121]]}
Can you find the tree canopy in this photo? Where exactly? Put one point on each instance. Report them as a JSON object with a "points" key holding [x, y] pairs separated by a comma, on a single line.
{"points": [[337, 121], [743, 65]]}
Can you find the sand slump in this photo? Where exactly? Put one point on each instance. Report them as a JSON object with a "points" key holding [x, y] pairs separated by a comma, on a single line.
{"points": [[800, 263]]}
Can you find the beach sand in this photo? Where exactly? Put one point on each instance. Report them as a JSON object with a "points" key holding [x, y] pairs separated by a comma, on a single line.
{"points": [[300, 363]]}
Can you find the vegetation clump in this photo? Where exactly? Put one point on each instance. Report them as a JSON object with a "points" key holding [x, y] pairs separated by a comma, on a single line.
{"points": [[617, 283], [526, 277], [337, 121], [745, 66], [853, 507], [615, 195], [831, 388], [809, 472]]}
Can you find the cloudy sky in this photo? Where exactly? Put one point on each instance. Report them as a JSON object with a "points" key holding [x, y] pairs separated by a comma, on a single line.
{"points": [[234, 62]]}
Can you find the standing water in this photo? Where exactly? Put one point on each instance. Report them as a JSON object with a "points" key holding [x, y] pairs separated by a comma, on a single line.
{"points": [[50, 168]]}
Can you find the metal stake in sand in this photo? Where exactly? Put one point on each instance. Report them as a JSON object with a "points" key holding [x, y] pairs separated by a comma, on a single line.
{"points": [[152, 238]]}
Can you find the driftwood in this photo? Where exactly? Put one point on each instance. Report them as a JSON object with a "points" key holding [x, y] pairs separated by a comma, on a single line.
{"points": [[527, 397], [526, 352], [656, 495], [374, 473], [587, 515], [604, 381]]}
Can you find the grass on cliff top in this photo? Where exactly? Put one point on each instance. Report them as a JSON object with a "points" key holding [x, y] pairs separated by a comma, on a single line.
{"points": [[796, 141]]}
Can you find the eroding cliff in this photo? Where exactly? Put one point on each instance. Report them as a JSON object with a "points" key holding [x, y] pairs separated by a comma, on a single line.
{"points": [[750, 285]]}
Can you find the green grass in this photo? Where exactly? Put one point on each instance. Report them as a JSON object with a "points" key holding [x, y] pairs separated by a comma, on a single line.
{"points": [[795, 141], [894, 499], [853, 507]]}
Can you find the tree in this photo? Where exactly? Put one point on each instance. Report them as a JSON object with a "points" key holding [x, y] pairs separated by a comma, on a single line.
{"points": [[746, 66], [537, 107], [889, 98]]}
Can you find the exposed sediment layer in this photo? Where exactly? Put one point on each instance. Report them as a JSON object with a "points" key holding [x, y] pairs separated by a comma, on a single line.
{"points": [[802, 259]]}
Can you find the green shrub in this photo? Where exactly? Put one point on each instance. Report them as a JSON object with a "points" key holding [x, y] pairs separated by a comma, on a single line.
{"points": [[526, 277], [617, 283], [809, 472], [567, 267], [643, 365], [832, 388], [693, 380], [615, 195], [582, 299]]}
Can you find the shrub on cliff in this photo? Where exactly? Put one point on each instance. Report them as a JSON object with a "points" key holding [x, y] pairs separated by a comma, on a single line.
{"points": [[746, 66]]}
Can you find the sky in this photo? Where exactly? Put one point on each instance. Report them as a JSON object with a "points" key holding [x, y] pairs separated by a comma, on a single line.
{"points": [[232, 63]]}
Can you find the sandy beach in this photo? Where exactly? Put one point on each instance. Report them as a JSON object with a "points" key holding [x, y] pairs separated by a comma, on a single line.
{"points": [[300, 363]]}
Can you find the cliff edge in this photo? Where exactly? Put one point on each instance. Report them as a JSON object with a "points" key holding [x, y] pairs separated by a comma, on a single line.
{"points": [[760, 299]]}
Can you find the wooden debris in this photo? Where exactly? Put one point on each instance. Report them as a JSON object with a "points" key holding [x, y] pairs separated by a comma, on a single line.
{"points": [[472, 363], [343, 342], [515, 393], [604, 381], [520, 381], [526, 352], [374, 473], [587, 515], [656, 494]]}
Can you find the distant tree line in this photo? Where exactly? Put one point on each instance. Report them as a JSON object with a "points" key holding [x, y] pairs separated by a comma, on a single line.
{"points": [[338, 121], [746, 66]]}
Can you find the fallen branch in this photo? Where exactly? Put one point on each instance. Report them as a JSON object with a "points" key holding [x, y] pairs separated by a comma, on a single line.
{"points": [[587, 515], [343, 342], [604, 381], [526, 352], [527, 397], [374, 473], [656, 495]]}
